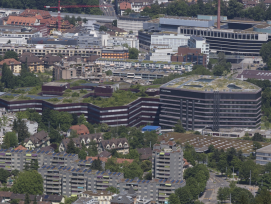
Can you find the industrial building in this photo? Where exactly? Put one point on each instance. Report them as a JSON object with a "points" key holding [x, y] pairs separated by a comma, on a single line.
{"points": [[219, 102]]}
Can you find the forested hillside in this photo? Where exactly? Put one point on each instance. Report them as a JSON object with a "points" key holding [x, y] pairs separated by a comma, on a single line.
{"points": [[39, 4]]}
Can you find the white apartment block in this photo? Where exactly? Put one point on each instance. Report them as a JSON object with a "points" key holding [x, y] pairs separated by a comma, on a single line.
{"points": [[131, 24], [160, 54], [199, 42], [131, 40], [172, 40], [12, 40], [25, 35]]}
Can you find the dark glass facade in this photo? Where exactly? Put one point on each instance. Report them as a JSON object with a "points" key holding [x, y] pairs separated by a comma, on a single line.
{"points": [[198, 109]]}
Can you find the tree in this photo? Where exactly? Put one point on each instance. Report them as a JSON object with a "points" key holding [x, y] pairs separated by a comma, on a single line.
{"points": [[133, 53], [55, 136], [34, 165], [223, 193], [241, 196], [209, 65], [256, 145], [211, 148], [173, 199], [104, 127], [234, 9], [82, 154], [6, 143], [258, 137], [12, 138], [112, 165], [35, 200], [73, 134], [113, 190], [74, 119], [11, 54], [96, 164], [148, 176], [4, 174], [109, 73], [263, 197], [178, 127], [15, 172], [133, 170], [71, 147], [7, 77], [26, 199], [92, 150], [245, 169], [28, 182], [184, 194], [103, 28], [22, 130], [128, 11], [82, 119], [15, 201], [145, 165]]}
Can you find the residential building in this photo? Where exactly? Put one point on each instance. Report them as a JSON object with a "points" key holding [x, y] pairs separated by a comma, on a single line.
{"points": [[82, 200], [145, 153], [124, 6], [80, 130], [12, 64], [55, 87], [267, 3], [50, 60], [103, 197], [105, 154], [157, 190], [199, 42], [124, 197], [38, 140], [131, 40], [32, 126], [121, 145], [22, 21], [167, 161], [138, 5], [34, 64], [42, 50], [198, 102], [33, 12], [71, 181], [20, 36], [192, 55], [85, 139], [131, 23], [263, 155], [115, 52], [64, 73], [116, 30]]}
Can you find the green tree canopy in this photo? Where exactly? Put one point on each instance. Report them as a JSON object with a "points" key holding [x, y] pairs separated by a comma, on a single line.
{"points": [[82, 154], [28, 182], [178, 127], [133, 53], [11, 54], [174, 199], [4, 174], [133, 170]]}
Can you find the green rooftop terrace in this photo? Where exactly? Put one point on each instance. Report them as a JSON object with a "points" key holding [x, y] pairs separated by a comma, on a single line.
{"points": [[211, 83]]}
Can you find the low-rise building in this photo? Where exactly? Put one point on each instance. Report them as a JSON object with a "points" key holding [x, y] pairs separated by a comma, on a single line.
{"points": [[225, 132], [22, 21], [199, 42], [115, 52], [80, 130], [12, 64], [103, 197], [160, 54], [38, 140], [124, 6], [131, 40], [121, 145], [254, 74], [34, 64], [132, 23], [263, 155], [50, 60]]}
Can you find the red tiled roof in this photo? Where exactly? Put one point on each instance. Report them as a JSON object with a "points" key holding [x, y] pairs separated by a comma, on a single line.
{"points": [[10, 61], [20, 147], [80, 129], [125, 5], [19, 20], [34, 12]]}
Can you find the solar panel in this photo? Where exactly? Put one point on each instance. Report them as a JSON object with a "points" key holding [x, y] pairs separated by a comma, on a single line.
{"points": [[52, 167], [85, 170], [89, 170], [131, 180], [114, 173], [17, 150], [47, 152], [98, 172], [58, 154], [46, 196], [21, 151], [43, 167], [48, 167], [160, 180], [172, 181], [119, 174], [42, 151], [177, 181], [32, 151], [69, 155], [77, 170], [12, 150], [165, 180], [69, 168], [148, 181], [138, 181], [143, 181], [64, 168], [73, 169], [126, 180], [65, 154], [102, 173]]}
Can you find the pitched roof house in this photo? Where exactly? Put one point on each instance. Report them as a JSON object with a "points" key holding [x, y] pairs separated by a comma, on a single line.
{"points": [[34, 12], [12, 64], [80, 130], [38, 140], [86, 139], [19, 20], [120, 144]]}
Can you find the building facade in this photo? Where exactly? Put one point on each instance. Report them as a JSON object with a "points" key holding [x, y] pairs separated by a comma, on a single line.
{"points": [[263, 155], [200, 101], [12, 64], [133, 24], [199, 42], [167, 161]]}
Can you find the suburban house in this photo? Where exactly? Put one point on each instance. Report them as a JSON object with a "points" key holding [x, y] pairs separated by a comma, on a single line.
{"points": [[80, 130], [121, 145], [38, 140], [12, 64], [86, 139]]}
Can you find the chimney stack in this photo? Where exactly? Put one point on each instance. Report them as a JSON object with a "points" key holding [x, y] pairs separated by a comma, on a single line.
{"points": [[218, 14]]}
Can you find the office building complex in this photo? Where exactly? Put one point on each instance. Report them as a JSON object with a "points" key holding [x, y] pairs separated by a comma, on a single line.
{"points": [[132, 23], [200, 42], [200, 101], [167, 161]]}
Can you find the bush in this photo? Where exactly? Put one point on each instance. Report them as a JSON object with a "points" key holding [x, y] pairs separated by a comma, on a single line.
{"points": [[75, 94], [83, 91], [53, 99], [22, 97], [67, 100], [68, 90]]}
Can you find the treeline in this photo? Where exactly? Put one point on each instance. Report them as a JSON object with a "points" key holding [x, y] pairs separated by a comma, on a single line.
{"points": [[39, 4], [233, 9], [196, 179]]}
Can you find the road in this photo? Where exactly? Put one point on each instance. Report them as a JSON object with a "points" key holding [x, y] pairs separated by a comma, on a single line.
{"points": [[213, 184]]}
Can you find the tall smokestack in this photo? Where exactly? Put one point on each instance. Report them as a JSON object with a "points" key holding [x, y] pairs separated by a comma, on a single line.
{"points": [[218, 14]]}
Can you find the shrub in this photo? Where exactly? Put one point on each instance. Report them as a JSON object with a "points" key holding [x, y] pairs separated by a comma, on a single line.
{"points": [[75, 94]]}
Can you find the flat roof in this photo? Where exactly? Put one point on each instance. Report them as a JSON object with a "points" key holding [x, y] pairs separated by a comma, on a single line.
{"points": [[266, 149], [211, 83], [150, 127], [56, 84]]}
